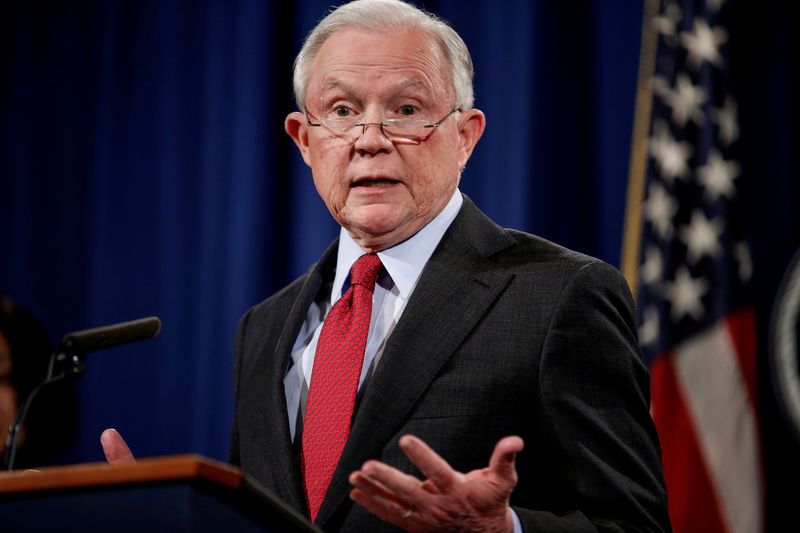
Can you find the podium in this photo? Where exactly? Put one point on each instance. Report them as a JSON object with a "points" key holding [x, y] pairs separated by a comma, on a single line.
{"points": [[182, 493]]}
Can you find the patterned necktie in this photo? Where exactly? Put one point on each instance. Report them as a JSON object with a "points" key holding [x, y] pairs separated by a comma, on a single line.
{"points": [[334, 380]]}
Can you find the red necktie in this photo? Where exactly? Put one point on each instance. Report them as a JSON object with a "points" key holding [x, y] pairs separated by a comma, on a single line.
{"points": [[334, 380]]}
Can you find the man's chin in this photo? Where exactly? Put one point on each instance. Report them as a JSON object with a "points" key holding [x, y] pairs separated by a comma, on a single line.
{"points": [[375, 234]]}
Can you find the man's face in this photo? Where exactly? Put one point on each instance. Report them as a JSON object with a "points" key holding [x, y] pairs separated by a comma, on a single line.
{"points": [[382, 192]]}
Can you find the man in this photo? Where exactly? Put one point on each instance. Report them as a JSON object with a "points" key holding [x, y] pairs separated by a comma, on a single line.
{"points": [[479, 338]]}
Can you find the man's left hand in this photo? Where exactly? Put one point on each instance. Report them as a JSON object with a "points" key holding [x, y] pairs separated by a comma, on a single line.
{"points": [[446, 500]]}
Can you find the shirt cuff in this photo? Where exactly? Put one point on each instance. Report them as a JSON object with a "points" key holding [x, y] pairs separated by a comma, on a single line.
{"points": [[517, 523]]}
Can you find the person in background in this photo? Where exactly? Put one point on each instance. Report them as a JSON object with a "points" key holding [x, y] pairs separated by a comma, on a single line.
{"points": [[25, 351]]}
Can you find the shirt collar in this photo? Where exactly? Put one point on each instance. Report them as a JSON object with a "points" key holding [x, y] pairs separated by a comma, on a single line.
{"points": [[405, 261]]}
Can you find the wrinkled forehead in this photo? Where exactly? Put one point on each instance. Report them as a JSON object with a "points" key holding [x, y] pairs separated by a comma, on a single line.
{"points": [[390, 61], [333, 88]]}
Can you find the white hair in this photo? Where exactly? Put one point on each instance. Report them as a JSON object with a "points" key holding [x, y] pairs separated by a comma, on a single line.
{"points": [[393, 15]]}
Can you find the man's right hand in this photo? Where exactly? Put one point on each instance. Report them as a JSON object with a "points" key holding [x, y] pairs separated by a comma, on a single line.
{"points": [[117, 452]]}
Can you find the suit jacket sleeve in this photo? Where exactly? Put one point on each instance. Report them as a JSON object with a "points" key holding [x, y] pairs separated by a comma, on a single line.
{"points": [[593, 412], [233, 450]]}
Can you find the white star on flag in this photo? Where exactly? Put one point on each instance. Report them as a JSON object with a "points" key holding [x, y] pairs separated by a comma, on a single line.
{"points": [[667, 24], [684, 295], [701, 237], [659, 209], [671, 156], [703, 43], [653, 266], [717, 176], [686, 100]]}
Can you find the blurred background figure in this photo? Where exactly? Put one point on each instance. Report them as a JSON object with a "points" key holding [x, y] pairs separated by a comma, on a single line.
{"points": [[25, 351]]}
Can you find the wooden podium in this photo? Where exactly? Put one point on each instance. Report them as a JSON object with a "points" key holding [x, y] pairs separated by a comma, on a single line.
{"points": [[182, 493]]}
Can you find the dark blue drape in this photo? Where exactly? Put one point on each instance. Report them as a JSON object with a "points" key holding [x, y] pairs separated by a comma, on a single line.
{"points": [[145, 171]]}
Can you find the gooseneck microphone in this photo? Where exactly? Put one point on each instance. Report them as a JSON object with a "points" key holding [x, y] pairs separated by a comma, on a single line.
{"points": [[90, 340], [68, 363]]}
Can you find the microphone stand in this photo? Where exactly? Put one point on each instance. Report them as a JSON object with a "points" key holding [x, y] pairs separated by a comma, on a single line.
{"points": [[63, 365]]}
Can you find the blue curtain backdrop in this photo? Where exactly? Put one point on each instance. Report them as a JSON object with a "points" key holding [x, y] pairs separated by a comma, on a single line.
{"points": [[144, 171]]}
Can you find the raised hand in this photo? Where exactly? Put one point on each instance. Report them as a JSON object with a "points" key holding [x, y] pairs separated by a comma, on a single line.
{"points": [[447, 500]]}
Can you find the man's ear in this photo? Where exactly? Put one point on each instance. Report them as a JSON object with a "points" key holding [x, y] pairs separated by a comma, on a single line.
{"points": [[295, 126], [470, 128]]}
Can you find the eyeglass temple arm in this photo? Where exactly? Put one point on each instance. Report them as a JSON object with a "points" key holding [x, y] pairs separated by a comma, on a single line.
{"points": [[442, 119]]}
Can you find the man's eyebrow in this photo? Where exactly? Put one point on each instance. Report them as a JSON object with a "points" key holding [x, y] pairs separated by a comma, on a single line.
{"points": [[333, 84], [411, 82]]}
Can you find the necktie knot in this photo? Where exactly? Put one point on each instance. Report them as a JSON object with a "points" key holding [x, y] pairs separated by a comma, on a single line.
{"points": [[365, 271]]}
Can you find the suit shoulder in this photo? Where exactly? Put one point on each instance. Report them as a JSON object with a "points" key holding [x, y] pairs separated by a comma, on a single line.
{"points": [[509, 247], [534, 249], [542, 258], [529, 257]]}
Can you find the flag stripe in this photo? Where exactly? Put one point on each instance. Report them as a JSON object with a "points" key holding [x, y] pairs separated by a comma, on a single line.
{"points": [[742, 329], [714, 390], [695, 509]]}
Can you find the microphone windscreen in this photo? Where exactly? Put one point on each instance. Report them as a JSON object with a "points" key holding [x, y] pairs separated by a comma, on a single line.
{"points": [[103, 337]]}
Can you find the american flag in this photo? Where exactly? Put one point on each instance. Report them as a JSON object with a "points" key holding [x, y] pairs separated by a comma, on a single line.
{"points": [[697, 327]]}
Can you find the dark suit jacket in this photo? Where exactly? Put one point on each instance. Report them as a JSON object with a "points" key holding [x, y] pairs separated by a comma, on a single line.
{"points": [[505, 334]]}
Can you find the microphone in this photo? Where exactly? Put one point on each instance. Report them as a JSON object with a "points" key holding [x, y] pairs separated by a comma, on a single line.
{"points": [[68, 363], [90, 340]]}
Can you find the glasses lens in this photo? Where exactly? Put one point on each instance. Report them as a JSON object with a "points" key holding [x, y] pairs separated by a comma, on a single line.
{"points": [[405, 128], [341, 125]]}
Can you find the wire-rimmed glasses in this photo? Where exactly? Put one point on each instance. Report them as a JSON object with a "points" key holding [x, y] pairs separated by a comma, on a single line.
{"points": [[409, 130]]}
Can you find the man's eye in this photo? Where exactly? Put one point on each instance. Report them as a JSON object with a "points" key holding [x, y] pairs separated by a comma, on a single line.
{"points": [[408, 110], [341, 112]]}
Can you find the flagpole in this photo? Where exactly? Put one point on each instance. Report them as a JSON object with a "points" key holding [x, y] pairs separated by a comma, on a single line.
{"points": [[638, 162]]}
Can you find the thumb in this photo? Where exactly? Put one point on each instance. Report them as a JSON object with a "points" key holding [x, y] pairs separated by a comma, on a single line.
{"points": [[502, 462], [115, 449]]}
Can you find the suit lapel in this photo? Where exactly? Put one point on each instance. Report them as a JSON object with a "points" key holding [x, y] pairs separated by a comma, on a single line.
{"points": [[457, 287], [279, 453]]}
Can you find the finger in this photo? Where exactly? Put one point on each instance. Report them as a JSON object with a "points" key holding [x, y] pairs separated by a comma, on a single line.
{"points": [[401, 486], [389, 511], [374, 497], [433, 467], [372, 487], [503, 460], [379, 500], [115, 449]]}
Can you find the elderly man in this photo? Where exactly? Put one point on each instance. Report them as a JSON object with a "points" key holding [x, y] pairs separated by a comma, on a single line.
{"points": [[427, 340]]}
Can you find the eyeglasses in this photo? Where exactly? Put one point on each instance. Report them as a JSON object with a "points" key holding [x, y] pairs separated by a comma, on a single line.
{"points": [[406, 130]]}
